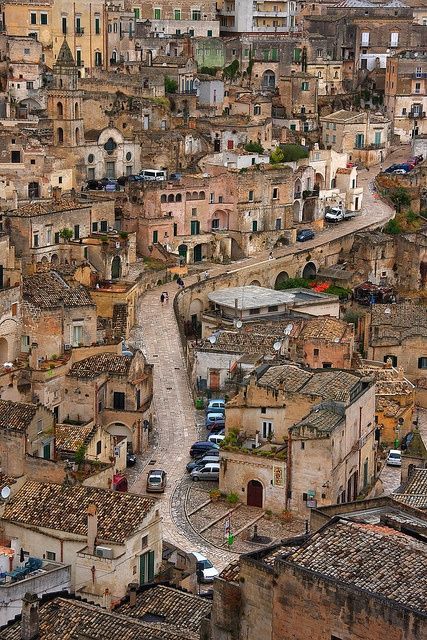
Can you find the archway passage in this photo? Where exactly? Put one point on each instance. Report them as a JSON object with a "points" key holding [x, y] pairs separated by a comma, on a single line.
{"points": [[254, 494], [308, 210], [182, 250], [116, 268], [269, 80], [309, 271], [255, 283], [4, 351], [197, 253], [281, 278]]}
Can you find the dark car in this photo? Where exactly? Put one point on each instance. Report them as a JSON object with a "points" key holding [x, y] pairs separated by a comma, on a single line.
{"points": [[209, 452], [94, 185], [305, 234], [175, 176], [200, 448], [130, 459]]}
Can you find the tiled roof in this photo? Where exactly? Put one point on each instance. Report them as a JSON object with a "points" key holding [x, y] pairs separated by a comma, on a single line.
{"points": [[48, 207], [63, 508], [333, 384], [50, 291], [326, 328], [101, 363], [231, 572], [395, 322], [69, 437], [173, 607], [373, 558], [16, 415], [323, 420], [6, 481], [64, 619], [415, 492], [418, 502]]}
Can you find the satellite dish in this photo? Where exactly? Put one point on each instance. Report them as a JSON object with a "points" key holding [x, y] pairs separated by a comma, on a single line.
{"points": [[387, 310], [277, 345], [287, 330], [8, 365], [239, 324], [212, 339], [5, 492]]}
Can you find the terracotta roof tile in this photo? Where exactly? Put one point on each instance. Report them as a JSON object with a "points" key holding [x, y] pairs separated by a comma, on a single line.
{"points": [[70, 437], [101, 363], [16, 416], [231, 572], [63, 508], [173, 607], [48, 207], [50, 291]]}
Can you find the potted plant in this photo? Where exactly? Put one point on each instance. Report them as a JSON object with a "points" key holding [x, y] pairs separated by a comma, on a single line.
{"points": [[215, 495]]}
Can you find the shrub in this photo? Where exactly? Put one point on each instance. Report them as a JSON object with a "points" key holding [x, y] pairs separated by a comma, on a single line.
{"points": [[171, 85], [209, 71], [230, 72], [80, 454], [66, 234], [288, 153], [294, 283], [254, 147], [392, 227], [232, 498]]}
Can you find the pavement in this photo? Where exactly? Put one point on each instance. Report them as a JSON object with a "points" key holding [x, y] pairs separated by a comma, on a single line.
{"points": [[175, 418]]}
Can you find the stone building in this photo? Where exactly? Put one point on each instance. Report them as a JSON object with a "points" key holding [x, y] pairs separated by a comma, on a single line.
{"points": [[262, 17], [305, 437], [112, 390], [307, 587], [298, 93], [10, 301], [365, 137], [108, 537], [406, 94], [26, 77], [56, 316], [25, 430], [194, 19]]}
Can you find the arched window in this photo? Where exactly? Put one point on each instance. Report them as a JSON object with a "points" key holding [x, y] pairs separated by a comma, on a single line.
{"points": [[77, 136], [76, 111], [60, 135], [178, 197], [202, 195], [171, 197], [163, 198], [59, 110]]}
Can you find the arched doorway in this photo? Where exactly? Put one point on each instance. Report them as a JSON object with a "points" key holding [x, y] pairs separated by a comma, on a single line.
{"points": [[269, 80], [236, 251], [33, 190], [197, 253], [318, 182], [255, 283], [54, 261], [280, 279], [308, 210], [423, 274], [254, 494], [309, 271], [116, 268], [4, 351]]}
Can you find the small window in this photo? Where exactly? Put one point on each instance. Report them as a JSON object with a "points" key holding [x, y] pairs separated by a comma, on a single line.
{"points": [[90, 158], [327, 365], [43, 18], [128, 156], [304, 86], [32, 161], [144, 541], [50, 555], [26, 52], [30, 85], [253, 312], [194, 211], [302, 444], [36, 240], [422, 362], [39, 426], [275, 193], [97, 25], [33, 18], [272, 308], [263, 409], [177, 14], [98, 447], [104, 226], [315, 352], [251, 196], [14, 310], [94, 227], [15, 157], [392, 358]]}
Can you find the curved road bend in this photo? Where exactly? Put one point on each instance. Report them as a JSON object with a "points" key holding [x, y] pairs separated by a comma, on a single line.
{"points": [[173, 403]]}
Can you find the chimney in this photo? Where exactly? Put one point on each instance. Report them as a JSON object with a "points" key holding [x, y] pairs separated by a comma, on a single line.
{"points": [[92, 527], [30, 617], [34, 356], [133, 587]]}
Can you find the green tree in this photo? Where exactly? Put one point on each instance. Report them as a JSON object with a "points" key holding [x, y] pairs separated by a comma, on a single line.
{"points": [[66, 234], [171, 85], [231, 71], [392, 227], [254, 147], [277, 156], [400, 198]]}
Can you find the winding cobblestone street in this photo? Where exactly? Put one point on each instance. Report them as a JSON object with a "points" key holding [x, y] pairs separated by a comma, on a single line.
{"points": [[175, 416]]}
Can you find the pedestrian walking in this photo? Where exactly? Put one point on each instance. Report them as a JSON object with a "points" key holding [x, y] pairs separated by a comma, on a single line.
{"points": [[180, 283], [162, 298], [166, 296], [270, 256]]}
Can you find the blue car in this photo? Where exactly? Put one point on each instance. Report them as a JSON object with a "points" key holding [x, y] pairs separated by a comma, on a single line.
{"points": [[305, 234]]}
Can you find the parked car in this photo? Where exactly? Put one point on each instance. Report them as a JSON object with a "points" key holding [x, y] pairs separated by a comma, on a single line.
{"points": [[399, 172], [209, 472], [207, 570], [210, 452], [391, 168], [305, 234], [175, 176], [216, 406], [130, 459], [94, 185], [394, 458], [216, 438], [156, 481], [199, 448], [214, 419], [334, 215], [200, 462]]}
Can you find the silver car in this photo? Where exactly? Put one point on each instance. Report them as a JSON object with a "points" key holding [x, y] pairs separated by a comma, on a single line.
{"points": [[156, 481], [209, 472]]}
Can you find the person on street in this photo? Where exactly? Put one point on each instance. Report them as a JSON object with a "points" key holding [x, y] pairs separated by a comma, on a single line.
{"points": [[162, 298], [270, 256]]}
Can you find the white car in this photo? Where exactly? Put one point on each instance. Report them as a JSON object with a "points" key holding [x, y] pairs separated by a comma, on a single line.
{"points": [[207, 570], [217, 438], [400, 172], [334, 215], [394, 458]]}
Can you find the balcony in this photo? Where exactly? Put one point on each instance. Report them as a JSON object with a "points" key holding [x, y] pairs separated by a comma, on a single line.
{"points": [[297, 195], [314, 193], [417, 115], [370, 147], [79, 31]]}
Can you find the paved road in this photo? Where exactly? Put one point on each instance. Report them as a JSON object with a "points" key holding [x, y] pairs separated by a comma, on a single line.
{"points": [[175, 417]]}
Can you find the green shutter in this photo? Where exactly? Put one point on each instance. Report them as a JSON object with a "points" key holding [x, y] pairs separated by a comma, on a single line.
{"points": [[150, 566], [142, 569]]}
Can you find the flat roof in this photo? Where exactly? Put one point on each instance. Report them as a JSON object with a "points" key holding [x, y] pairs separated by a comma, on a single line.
{"points": [[251, 297]]}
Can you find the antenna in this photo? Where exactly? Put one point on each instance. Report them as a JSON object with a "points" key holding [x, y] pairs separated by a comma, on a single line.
{"points": [[212, 339], [277, 345], [5, 492], [287, 330]]}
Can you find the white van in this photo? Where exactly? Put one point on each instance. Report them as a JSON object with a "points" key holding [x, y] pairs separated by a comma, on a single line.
{"points": [[153, 174]]}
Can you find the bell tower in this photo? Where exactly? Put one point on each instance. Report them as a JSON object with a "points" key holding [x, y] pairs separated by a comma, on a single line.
{"points": [[65, 101]]}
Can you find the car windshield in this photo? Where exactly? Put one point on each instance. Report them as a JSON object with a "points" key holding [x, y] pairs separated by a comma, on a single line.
{"points": [[155, 479], [394, 455], [207, 564]]}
